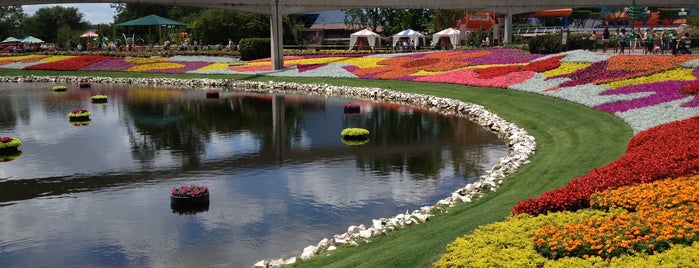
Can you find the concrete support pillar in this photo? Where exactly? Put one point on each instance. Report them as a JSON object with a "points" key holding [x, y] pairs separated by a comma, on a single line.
{"points": [[507, 39], [277, 44]]}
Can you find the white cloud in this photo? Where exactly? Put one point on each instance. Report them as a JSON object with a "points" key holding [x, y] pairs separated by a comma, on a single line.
{"points": [[93, 13]]}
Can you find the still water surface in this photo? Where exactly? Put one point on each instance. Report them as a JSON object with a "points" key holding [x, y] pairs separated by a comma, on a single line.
{"points": [[280, 177]]}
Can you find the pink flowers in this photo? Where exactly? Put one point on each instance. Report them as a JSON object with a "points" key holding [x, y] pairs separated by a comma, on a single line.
{"points": [[190, 191]]}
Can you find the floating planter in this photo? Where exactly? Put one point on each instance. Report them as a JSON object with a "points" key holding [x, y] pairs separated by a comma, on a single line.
{"points": [[354, 142], [212, 94], [355, 134], [351, 108], [7, 157], [9, 145], [79, 115], [99, 99], [189, 195], [60, 88], [84, 84], [80, 123]]}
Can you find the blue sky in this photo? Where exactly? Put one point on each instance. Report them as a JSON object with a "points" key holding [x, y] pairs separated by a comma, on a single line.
{"points": [[93, 13]]}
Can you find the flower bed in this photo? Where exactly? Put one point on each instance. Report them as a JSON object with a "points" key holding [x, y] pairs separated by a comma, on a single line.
{"points": [[355, 134], [85, 84], [59, 88], [99, 99], [189, 195], [79, 115], [653, 217], [668, 150], [212, 94], [9, 145], [351, 108]]}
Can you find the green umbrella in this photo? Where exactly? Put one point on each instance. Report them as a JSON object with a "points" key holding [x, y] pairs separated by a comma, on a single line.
{"points": [[31, 39], [151, 20], [10, 40]]}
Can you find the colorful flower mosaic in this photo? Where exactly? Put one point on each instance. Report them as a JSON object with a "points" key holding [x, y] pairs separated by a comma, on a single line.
{"points": [[626, 85]]}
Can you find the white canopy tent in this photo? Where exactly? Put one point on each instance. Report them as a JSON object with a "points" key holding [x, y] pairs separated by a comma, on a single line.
{"points": [[410, 34], [371, 37], [454, 36]]}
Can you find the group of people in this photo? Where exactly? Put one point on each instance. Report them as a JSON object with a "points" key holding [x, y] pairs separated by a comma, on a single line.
{"points": [[650, 41]]}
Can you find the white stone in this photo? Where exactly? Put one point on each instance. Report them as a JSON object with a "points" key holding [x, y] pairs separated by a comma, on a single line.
{"points": [[260, 264], [308, 252]]}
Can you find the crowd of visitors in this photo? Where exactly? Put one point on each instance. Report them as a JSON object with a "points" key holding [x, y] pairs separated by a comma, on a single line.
{"points": [[646, 41]]}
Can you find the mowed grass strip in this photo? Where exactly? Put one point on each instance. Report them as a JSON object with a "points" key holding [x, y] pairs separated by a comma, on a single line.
{"points": [[571, 140]]}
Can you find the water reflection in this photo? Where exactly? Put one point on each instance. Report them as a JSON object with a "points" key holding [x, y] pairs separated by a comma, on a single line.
{"points": [[280, 176]]}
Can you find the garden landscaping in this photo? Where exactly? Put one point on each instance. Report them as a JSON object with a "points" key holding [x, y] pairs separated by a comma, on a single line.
{"points": [[654, 95]]}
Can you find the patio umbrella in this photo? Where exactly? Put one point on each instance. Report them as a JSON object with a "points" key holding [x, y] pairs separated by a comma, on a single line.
{"points": [[31, 39], [153, 20], [11, 40], [89, 34]]}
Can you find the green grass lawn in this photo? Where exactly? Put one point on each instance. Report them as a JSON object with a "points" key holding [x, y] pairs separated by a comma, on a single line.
{"points": [[571, 140]]}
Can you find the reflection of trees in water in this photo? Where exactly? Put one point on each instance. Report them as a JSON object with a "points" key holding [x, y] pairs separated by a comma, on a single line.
{"points": [[14, 108], [185, 126], [8, 118], [429, 137]]}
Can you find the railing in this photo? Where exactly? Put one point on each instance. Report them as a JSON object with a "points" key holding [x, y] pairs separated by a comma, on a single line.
{"points": [[536, 30]]}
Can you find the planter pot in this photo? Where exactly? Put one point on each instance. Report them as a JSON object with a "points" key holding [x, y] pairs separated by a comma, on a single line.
{"points": [[355, 137], [7, 155], [84, 85], [212, 95], [189, 210], [190, 201], [352, 109], [79, 118], [99, 100], [11, 150]]}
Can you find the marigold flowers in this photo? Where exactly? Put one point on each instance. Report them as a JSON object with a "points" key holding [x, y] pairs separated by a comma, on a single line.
{"points": [[655, 216]]}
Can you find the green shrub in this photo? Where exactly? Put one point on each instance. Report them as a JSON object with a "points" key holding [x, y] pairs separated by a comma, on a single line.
{"points": [[254, 48], [545, 44]]}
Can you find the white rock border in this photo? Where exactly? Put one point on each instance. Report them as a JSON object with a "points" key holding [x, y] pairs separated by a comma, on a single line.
{"points": [[521, 144]]}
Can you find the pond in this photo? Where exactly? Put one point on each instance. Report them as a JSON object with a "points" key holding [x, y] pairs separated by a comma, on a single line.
{"points": [[96, 194]]}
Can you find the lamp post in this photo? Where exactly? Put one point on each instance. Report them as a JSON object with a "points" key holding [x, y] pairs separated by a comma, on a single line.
{"points": [[647, 16], [683, 15]]}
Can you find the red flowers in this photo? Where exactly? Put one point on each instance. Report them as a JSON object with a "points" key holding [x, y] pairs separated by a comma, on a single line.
{"points": [[5, 139], [690, 89], [669, 150], [72, 64]]}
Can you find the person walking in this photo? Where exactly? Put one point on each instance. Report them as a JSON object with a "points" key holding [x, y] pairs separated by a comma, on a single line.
{"points": [[623, 41]]}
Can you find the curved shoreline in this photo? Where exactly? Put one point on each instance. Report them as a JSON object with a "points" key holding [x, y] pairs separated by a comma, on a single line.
{"points": [[521, 144]]}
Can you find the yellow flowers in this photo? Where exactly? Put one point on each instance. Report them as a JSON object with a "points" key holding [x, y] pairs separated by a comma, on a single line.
{"points": [[155, 66], [678, 74], [567, 68]]}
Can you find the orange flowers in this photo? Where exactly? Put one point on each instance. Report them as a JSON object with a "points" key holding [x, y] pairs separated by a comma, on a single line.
{"points": [[655, 216]]}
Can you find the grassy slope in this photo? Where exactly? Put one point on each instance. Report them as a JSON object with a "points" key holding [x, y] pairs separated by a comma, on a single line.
{"points": [[572, 140]]}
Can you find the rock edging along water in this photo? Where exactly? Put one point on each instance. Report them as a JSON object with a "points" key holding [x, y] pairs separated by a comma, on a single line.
{"points": [[521, 144]]}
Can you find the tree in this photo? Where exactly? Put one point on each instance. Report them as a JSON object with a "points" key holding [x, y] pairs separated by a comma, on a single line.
{"points": [[444, 18], [11, 20], [364, 18], [397, 20], [215, 26], [44, 24]]}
